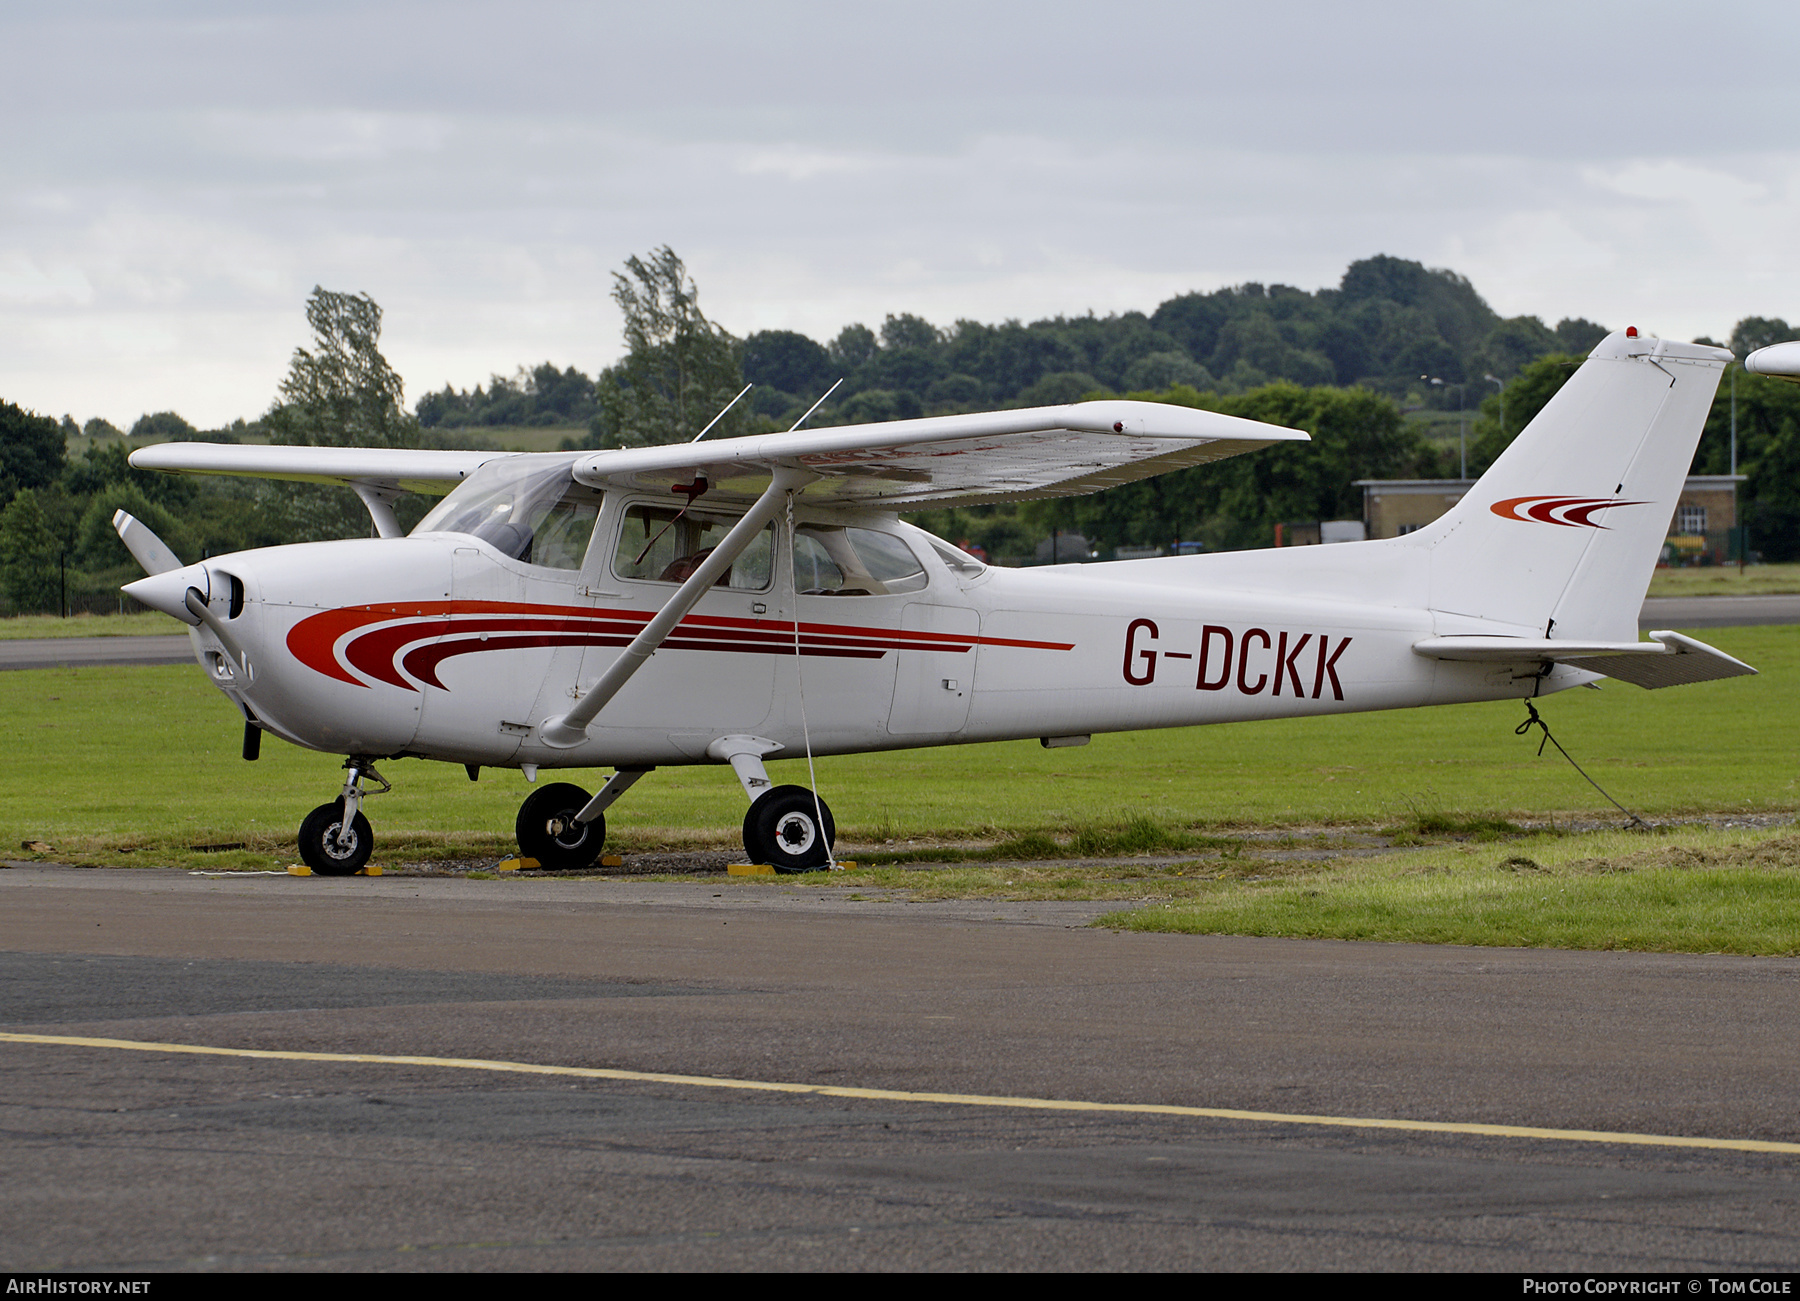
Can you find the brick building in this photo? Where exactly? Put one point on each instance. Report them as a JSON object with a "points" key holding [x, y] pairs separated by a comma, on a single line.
{"points": [[1703, 529]]}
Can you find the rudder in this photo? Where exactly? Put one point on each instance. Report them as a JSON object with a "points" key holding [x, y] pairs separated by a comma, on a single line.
{"points": [[1560, 536]]}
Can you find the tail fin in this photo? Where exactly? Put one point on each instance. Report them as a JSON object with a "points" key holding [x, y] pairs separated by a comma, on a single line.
{"points": [[1561, 535]]}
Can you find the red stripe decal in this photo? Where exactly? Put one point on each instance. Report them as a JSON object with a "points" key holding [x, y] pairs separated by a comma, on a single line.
{"points": [[330, 642]]}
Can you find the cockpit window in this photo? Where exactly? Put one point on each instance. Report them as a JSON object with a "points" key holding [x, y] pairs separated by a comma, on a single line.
{"points": [[666, 544], [831, 560], [526, 510]]}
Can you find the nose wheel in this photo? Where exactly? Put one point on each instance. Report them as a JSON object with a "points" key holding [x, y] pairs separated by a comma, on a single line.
{"points": [[331, 850], [335, 839]]}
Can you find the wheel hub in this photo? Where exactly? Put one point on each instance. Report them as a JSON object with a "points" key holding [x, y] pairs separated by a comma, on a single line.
{"points": [[795, 832]]}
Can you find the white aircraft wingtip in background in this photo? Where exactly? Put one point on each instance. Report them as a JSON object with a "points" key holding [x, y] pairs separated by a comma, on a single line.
{"points": [[667, 605], [1779, 359]]}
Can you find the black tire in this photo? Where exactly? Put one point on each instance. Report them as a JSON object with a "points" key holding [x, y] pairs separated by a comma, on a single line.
{"points": [[781, 829], [319, 847], [548, 832]]}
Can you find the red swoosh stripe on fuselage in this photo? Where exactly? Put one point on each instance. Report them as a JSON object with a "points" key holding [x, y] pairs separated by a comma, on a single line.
{"points": [[467, 627]]}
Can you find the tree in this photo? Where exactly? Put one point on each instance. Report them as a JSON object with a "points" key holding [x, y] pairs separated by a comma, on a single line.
{"points": [[909, 331], [679, 368], [1160, 370], [1755, 332], [108, 463], [28, 555], [1525, 395], [1772, 508], [339, 393], [31, 449], [342, 393], [789, 361], [97, 544], [1356, 435], [854, 346], [1514, 344], [165, 425], [1578, 335]]}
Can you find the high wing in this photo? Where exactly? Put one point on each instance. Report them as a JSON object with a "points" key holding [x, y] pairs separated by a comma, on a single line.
{"points": [[953, 460], [899, 465], [388, 469]]}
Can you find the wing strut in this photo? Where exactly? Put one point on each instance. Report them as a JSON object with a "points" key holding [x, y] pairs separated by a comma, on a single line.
{"points": [[569, 730]]}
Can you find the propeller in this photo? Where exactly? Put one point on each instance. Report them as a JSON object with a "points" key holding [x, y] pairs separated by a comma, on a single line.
{"points": [[174, 588], [146, 548]]}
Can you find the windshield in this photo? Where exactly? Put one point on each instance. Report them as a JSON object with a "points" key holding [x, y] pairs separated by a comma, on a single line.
{"points": [[526, 509]]}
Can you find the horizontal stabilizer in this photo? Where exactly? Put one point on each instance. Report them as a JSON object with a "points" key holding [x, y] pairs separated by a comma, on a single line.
{"points": [[1668, 659]]}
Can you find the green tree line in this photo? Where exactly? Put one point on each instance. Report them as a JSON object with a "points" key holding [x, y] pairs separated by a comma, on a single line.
{"points": [[58, 549], [1339, 363]]}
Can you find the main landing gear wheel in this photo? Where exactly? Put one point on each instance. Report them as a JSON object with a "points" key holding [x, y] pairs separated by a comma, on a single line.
{"points": [[548, 832], [782, 830], [324, 852]]}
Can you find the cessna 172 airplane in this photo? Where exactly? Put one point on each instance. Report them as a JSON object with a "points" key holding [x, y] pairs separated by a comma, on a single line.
{"points": [[730, 601]]}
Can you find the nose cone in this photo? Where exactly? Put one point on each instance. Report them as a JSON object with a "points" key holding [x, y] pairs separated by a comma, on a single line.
{"points": [[168, 591]]}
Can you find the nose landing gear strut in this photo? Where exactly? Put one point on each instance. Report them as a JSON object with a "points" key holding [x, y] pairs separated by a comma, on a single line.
{"points": [[335, 839]]}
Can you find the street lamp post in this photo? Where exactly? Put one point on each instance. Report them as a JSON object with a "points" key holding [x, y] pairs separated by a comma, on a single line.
{"points": [[1502, 389], [1462, 436]]}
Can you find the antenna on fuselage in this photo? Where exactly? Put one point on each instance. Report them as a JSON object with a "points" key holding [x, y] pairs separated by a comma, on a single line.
{"points": [[815, 406], [715, 420]]}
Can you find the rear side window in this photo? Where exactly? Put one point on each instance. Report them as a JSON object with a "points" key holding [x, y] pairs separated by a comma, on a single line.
{"points": [[832, 560]]}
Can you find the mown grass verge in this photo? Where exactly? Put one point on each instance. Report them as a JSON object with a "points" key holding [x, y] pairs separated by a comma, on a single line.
{"points": [[1687, 891], [1727, 580], [1681, 889], [140, 623]]}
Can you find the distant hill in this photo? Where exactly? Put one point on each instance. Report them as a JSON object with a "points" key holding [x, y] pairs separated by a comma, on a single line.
{"points": [[1386, 323]]}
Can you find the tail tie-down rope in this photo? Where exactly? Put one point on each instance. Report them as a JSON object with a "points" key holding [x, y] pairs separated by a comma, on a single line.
{"points": [[1535, 721]]}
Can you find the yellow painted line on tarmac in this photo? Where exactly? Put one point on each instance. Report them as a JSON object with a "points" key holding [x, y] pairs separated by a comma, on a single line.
{"points": [[907, 1095]]}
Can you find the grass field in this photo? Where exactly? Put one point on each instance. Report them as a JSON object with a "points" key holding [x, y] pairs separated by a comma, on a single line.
{"points": [[140, 765], [146, 623], [1726, 580], [1694, 891]]}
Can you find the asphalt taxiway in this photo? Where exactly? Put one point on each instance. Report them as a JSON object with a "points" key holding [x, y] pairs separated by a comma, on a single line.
{"points": [[777, 1075]]}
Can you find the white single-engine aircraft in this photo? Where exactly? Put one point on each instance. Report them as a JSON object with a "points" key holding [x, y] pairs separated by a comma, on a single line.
{"points": [[730, 601]]}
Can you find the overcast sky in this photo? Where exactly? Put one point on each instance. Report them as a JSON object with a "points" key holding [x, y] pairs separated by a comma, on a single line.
{"points": [[178, 176]]}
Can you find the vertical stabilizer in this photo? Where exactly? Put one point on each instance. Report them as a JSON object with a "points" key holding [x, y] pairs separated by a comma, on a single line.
{"points": [[1561, 534]]}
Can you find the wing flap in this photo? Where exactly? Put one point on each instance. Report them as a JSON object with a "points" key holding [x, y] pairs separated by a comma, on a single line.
{"points": [[1668, 659], [954, 460]]}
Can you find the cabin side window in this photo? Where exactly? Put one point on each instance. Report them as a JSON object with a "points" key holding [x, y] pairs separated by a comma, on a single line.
{"points": [[664, 544], [834, 560]]}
